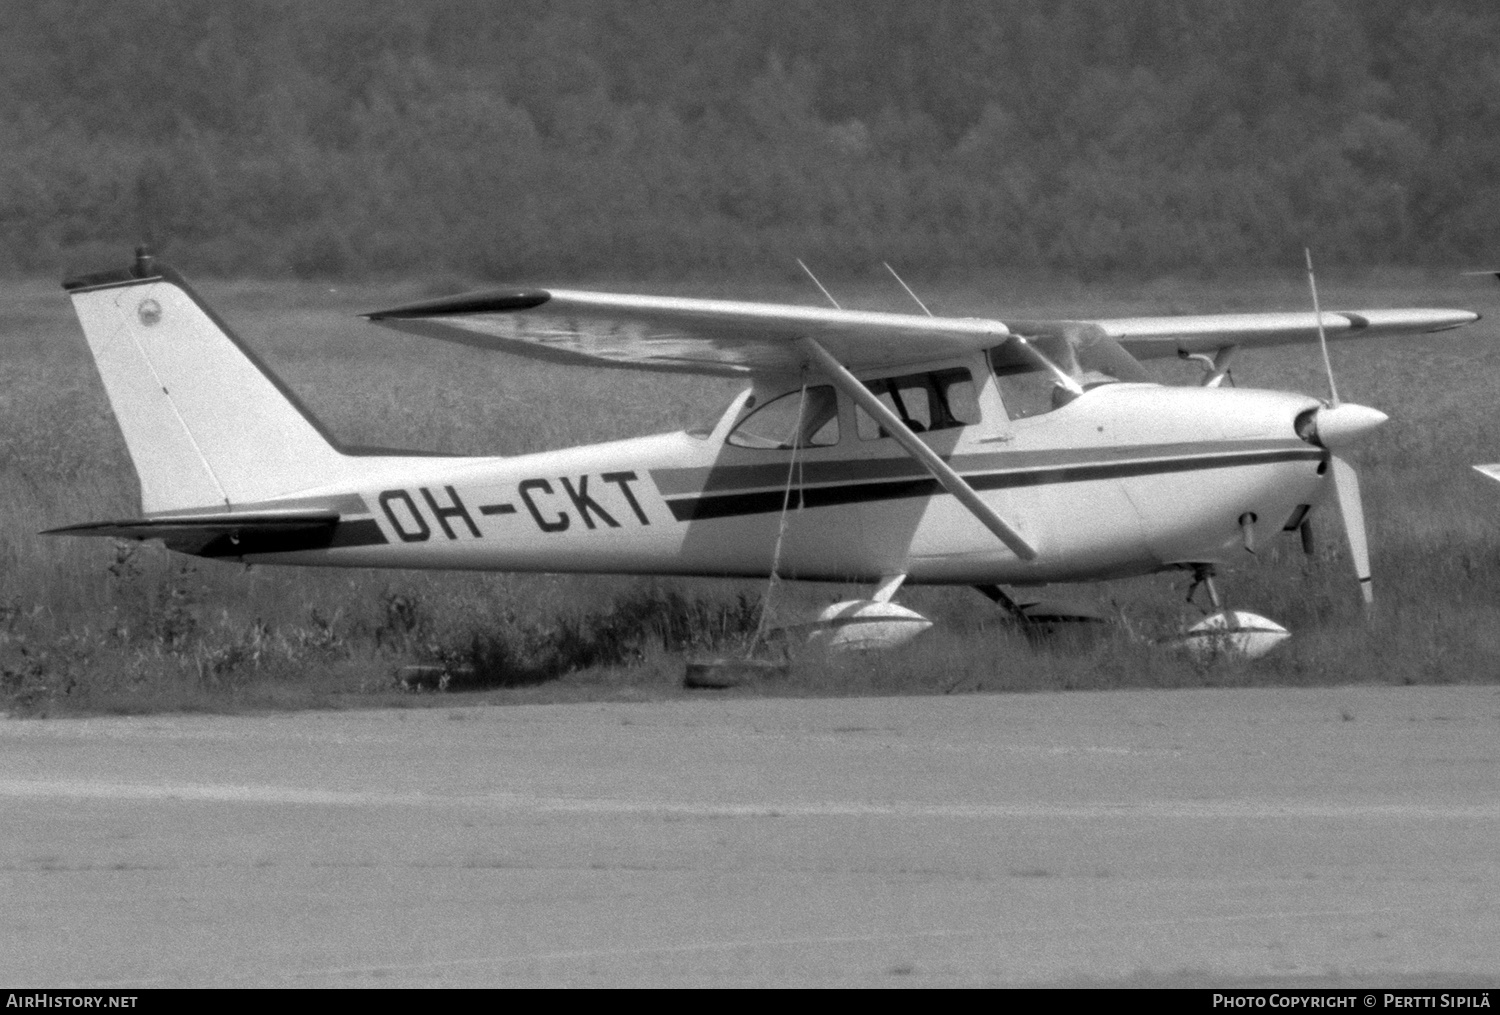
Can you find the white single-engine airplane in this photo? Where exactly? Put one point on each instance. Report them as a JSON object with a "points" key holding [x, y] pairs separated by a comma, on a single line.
{"points": [[878, 448]]}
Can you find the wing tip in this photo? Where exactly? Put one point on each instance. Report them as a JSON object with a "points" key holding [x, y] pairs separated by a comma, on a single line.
{"points": [[498, 301]]}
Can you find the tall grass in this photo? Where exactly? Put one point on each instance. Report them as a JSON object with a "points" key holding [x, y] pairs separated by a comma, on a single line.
{"points": [[92, 625]]}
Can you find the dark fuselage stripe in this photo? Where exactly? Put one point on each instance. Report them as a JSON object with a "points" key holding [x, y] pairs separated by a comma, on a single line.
{"points": [[249, 542], [719, 478], [759, 502], [364, 532]]}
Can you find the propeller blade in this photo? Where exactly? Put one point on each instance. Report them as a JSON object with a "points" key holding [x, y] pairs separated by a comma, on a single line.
{"points": [[1346, 489], [1333, 391]]}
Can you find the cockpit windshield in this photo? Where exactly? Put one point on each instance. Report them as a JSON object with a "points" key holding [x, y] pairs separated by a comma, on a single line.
{"points": [[1048, 369]]}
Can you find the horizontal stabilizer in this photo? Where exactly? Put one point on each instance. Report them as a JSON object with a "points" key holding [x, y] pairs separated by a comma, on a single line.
{"points": [[225, 534]]}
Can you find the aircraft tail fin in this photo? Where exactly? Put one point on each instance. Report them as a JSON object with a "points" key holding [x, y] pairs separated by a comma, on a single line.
{"points": [[207, 424]]}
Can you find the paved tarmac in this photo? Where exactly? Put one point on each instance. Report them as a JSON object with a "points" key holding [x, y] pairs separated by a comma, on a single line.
{"points": [[1209, 838]]}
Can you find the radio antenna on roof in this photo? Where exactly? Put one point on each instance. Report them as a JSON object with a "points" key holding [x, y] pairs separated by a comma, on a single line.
{"points": [[820, 285], [913, 295]]}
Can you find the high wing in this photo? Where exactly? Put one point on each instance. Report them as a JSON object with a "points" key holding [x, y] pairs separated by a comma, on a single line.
{"points": [[724, 337], [730, 337], [1149, 337]]}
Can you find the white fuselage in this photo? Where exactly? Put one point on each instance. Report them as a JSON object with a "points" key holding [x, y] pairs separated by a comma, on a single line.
{"points": [[1125, 479]]}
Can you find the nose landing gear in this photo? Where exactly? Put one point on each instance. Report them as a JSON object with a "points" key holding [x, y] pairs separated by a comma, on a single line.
{"points": [[1227, 633], [1203, 577]]}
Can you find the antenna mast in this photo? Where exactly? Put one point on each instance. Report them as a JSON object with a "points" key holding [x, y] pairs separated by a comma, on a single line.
{"points": [[820, 285], [913, 295]]}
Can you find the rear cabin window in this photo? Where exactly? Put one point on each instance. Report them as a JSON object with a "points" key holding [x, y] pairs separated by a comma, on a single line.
{"points": [[938, 400], [791, 420]]}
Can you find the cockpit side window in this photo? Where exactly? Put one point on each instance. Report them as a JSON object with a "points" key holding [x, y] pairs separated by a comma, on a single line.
{"points": [[937, 400], [791, 420]]}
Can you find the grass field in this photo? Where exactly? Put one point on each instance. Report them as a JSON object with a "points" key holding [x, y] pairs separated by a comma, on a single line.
{"points": [[87, 625]]}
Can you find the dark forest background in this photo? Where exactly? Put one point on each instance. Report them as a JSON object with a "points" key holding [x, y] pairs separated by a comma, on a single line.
{"points": [[538, 137]]}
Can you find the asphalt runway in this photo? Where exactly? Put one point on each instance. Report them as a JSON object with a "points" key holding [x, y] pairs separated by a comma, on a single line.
{"points": [[1207, 838]]}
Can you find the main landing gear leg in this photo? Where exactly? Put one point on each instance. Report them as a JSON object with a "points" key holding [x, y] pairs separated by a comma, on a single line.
{"points": [[997, 595]]}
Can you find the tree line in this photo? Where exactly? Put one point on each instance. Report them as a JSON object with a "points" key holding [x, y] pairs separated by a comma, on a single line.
{"points": [[536, 137]]}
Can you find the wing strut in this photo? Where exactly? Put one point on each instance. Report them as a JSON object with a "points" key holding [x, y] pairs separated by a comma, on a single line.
{"points": [[941, 471]]}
